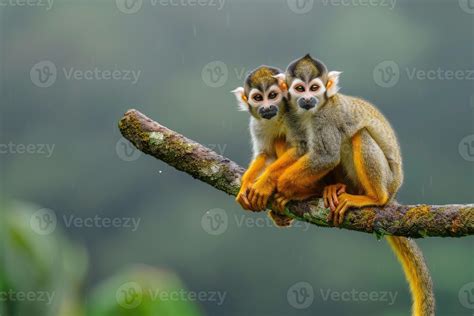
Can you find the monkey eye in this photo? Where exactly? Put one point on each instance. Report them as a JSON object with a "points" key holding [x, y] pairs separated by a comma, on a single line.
{"points": [[299, 88], [258, 97], [272, 95], [314, 87]]}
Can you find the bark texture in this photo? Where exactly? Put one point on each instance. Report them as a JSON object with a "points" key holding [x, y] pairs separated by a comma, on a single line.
{"points": [[202, 163]]}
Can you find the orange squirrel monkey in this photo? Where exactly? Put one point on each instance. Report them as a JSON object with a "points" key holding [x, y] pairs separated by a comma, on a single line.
{"points": [[277, 137], [296, 137], [263, 96], [349, 133]]}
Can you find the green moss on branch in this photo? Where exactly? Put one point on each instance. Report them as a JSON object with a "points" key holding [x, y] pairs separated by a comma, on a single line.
{"points": [[202, 163]]}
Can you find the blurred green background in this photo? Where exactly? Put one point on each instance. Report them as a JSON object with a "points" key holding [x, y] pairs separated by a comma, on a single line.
{"points": [[66, 79]]}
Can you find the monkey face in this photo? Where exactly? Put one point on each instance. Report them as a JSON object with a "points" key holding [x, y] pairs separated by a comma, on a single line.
{"points": [[306, 95], [265, 104], [310, 84], [264, 93]]}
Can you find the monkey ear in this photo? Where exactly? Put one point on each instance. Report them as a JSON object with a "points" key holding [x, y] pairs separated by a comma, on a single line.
{"points": [[282, 82], [332, 86], [241, 98]]}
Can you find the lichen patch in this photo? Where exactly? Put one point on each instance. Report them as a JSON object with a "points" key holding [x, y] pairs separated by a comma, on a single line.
{"points": [[156, 138], [211, 170], [417, 212]]}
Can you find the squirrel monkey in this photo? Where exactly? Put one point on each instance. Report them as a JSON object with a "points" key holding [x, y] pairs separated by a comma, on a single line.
{"points": [[278, 139], [349, 133], [264, 97]]}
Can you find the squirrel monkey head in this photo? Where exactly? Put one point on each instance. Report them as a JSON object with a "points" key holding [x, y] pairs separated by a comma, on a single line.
{"points": [[310, 84], [263, 94]]}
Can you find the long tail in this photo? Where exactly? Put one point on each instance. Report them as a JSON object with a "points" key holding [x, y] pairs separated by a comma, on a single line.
{"points": [[416, 273]]}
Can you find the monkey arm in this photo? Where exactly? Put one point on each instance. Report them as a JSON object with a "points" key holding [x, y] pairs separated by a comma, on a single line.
{"points": [[276, 169], [299, 181], [299, 176], [254, 169], [262, 189], [280, 146]]}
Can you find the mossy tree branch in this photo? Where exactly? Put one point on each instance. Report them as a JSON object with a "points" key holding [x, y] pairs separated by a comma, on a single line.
{"points": [[204, 164]]}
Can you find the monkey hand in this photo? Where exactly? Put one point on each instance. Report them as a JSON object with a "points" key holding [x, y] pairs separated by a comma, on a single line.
{"points": [[330, 196], [242, 197], [260, 192]]}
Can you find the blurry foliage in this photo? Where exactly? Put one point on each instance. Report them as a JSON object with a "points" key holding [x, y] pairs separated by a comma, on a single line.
{"points": [[135, 292], [32, 262], [53, 269]]}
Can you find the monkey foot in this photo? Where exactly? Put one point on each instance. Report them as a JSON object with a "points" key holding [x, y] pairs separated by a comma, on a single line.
{"points": [[337, 215], [280, 220], [330, 195], [347, 201], [258, 195], [279, 202]]}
